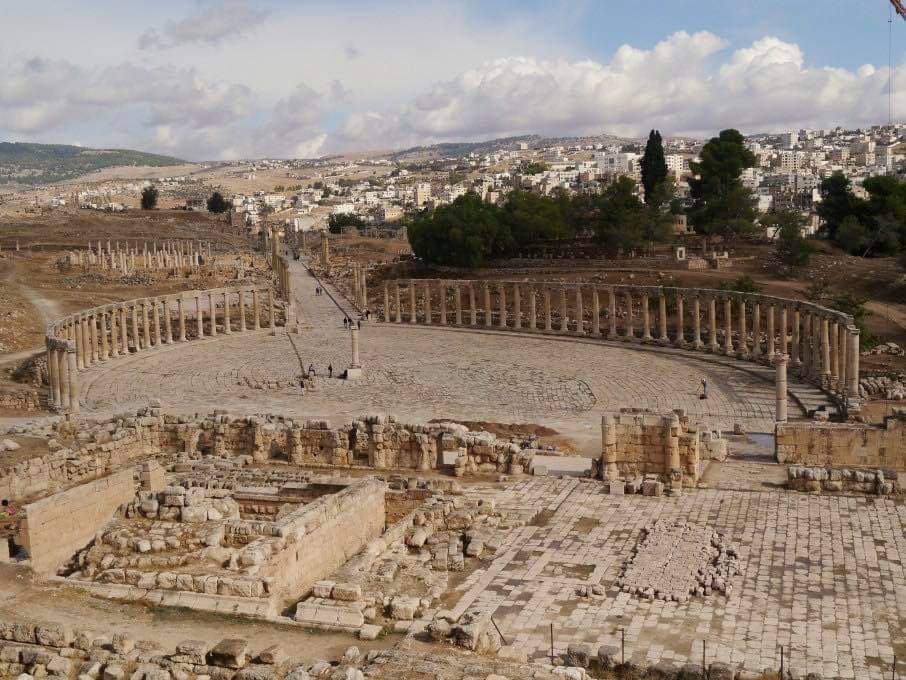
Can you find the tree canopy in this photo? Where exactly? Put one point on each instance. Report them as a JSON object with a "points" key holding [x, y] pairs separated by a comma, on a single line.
{"points": [[721, 204], [149, 197], [337, 221], [217, 203], [792, 248], [654, 168]]}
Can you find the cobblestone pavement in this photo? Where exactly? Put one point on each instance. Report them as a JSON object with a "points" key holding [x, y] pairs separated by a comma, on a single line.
{"points": [[422, 373], [821, 575]]}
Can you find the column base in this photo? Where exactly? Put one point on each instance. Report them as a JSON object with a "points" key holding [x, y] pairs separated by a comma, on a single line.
{"points": [[354, 373]]}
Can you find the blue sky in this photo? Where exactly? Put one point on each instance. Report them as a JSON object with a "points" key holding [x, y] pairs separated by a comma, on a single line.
{"points": [[206, 79]]}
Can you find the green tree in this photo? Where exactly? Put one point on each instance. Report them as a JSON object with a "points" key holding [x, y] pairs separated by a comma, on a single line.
{"points": [[851, 235], [742, 284], [791, 247], [217, 203], [465, 233], [337, 221], [527, 217], [838, 202], [149, 197], [721, 204], [535, 168], [620, 221], [654, 168]]}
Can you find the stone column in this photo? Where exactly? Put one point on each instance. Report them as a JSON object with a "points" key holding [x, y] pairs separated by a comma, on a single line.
{"points": [[842, 341], [548, 323], [241, 310], [646, 318], [771, 346], [124, 331], [714, 345], [413, 305], [473, 309], [487, 304], [728, 326], [533, 310], [612, 306], [697, 323], [825, 353], [105, 346], [805, 338], [354, 337], [387, 315], [743, 334], [73, 374], [817, 351], [564, 311], [93, 329], [756, 331], [146, 326], [63, 373], [272, 312], [780, 362], [155, 315], [609, 469], [852, 364], [227, 321], [794, 345], [595, 312], [501, 305], [457, 304], [77, 333], [53, 382], [396, 300], [834, 355], [199, 314], [630, 332], [86, 341], [428, 312], [662, 319], [580, 312], [680, 339], [442, 293], [212, 306], [114, 332], [517, 307], [182, 319]]}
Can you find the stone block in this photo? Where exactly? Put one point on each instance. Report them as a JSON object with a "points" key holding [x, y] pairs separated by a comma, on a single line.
{"points": [[616, 487], [347, 592], [652, 487], [608, 656], [578, 654], [229, 653], [404, 608], [323, 589], [272, 655], [369, 632]]}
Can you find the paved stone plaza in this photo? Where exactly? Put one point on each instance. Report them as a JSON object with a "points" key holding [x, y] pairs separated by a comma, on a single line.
{"points": [[822, 576], [421, 373]]}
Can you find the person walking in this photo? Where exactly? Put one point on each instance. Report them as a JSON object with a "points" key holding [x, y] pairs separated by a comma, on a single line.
{"points": [[704, 394], [330, 370], [345, 322], [359, 322]]}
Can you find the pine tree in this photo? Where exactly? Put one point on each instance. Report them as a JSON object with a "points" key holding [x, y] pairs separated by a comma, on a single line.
{"points": [[654, 166]]}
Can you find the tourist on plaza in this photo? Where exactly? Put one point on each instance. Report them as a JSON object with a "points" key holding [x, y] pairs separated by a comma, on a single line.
{"points": [[330, 370], [704, 394]]}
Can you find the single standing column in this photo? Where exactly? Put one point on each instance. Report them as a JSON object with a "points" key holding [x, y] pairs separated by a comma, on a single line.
{"points": [[86, 340], [771, 346], [646, 319], [105, 347], [501, 305], [241, 311], [256, 309], [354, 337], [825, 353], [842, 341], [817, 351], [396, 300], [212, 305], [532, 302], [662, 318], [73, 381], [272, 312], [517, 307], [852, 368], [697, 323], [155, 316], [124, 331], [199, 315], [728, 326], [77, 332], [146, 326], [680, 338], [743, 334], [413, 306], [630, 332], [487, 304], [180, 310], [595, 312], [712, 325], [227, 321], [780, 362], [548, 323], [473, 309], [835, 355], [612, 305], [756, 331], [794, 345], [387, 314], [805, 338], [564, 312], [93, 328], [457, 304], [63, 371], [52, 377], [442, 293], [580, 312], [428, 313], [114, 333], [168, 323]]}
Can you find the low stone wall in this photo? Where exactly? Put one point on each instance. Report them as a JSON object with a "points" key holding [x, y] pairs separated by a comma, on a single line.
{"points": [[843, 444], [842, 480], [56, 526]]}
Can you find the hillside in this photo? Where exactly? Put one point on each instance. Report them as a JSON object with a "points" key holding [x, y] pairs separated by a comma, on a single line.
{"points": [[26, 163]]}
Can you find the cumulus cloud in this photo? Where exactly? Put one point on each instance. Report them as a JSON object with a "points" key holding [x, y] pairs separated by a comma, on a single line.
{"points": [[680, 85], [210, 23]]}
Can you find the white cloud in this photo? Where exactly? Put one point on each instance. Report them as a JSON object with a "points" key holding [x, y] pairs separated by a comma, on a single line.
{"points": [[209, 24]]}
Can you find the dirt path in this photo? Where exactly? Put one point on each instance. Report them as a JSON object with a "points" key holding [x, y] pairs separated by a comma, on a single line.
{"points": [[21, 594], [895, 313]]}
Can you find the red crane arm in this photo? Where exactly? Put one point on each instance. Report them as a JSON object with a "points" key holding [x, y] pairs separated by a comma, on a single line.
{"points": [[899, 7]]}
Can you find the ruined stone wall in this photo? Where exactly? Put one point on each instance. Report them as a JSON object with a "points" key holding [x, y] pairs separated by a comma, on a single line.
{"points": [[843, 444], [636, 444], [57, 526]]}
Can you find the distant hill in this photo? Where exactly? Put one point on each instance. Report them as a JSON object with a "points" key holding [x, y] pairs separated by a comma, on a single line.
{"points": [[26, 163], [458, 149]]}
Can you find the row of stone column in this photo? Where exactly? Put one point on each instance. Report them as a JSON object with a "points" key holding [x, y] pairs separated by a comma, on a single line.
{"points": [[136, 325], [823, 348], [359, 287]]}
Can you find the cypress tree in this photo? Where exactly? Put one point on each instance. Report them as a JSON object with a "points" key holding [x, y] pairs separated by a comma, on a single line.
{"points": [[654, 166]]}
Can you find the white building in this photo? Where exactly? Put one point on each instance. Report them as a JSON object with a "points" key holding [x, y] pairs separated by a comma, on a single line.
{"points": [[618, 163]]}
